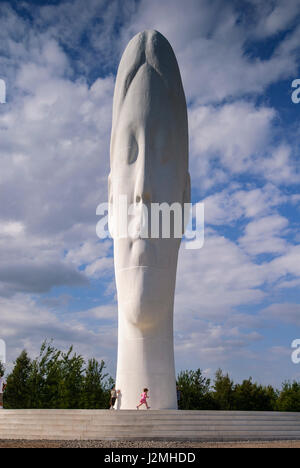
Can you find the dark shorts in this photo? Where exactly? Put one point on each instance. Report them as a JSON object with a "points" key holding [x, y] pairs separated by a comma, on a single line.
{"points": [[113, 401], [1, 398]]}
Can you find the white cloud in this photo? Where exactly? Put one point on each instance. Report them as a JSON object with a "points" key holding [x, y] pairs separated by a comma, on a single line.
{"points": [[11, 229], [239, 138], [285, 312], [106, 312], [227, 140], [235, 203], [214, 280], [286, 264], [274, 16], [210, 40], [265, 235], [101, 267], [55, 155], [279, 167], [24, 324], [88, 252], [213, 344], [294, 283]]}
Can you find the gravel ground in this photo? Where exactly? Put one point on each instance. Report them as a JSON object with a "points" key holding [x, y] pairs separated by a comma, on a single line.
{"points": [[143, 444]]}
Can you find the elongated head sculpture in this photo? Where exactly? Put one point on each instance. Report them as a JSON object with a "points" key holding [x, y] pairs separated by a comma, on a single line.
{"points": [[149, 167]]}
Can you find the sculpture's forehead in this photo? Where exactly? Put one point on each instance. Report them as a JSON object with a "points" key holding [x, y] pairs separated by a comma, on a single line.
{"points": [[147, 102], [149, 97], [153, 48], [146, 126], [148, 51]]}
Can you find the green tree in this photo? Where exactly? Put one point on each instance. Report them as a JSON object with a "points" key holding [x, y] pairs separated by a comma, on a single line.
{"points": [[57, 378], [18, 392], [46, 378], [289, 397], [249, 396], [95, 393], [72, 369], [2, 369], [195, 391], [223, 391]]}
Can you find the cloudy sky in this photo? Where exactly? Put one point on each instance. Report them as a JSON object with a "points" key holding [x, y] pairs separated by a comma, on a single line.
{"points": [[237, 299]]}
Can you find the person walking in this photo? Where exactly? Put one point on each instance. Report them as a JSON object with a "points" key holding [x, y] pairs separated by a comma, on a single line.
{"points": [[178, 392], [143, 400], [2, 388], [113, 397]]}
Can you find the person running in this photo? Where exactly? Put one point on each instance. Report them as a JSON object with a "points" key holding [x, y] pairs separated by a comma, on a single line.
{"points": [[143, 400]]}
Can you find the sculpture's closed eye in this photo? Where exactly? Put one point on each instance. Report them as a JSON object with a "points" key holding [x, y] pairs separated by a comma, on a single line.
{"points": [[133, 150]]}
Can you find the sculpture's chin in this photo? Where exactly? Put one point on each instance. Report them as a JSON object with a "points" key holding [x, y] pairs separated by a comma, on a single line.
{"points": [[143, 315], [145, 295]]}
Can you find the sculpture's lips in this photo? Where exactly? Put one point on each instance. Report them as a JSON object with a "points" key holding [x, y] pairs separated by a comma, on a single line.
{"points": [[152, 253]]}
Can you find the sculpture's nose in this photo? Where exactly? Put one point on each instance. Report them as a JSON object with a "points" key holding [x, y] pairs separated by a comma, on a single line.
{"points": [[143, 189], [143, 192], [142, 197]]}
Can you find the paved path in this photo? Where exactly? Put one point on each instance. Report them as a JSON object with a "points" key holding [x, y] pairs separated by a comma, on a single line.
{"points": [[144, 444]]}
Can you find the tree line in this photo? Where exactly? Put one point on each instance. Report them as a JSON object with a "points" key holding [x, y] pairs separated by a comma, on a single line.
{"points": [[64, 380], [197, 392], [57, 380]]}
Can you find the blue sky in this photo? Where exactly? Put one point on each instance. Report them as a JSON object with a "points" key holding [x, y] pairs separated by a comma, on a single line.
{"points": [[237, 299]]}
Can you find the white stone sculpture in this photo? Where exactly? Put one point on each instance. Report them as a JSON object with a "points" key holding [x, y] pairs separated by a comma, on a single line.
{"points": [[149, 164]]}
